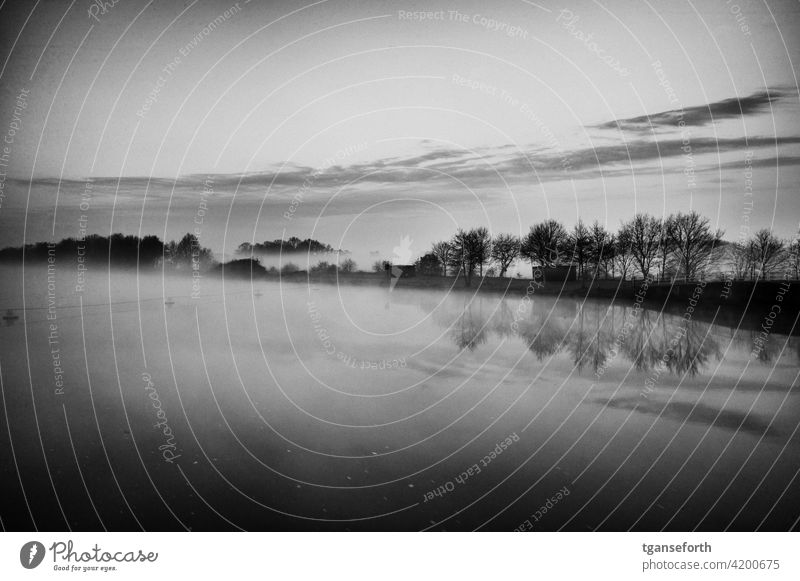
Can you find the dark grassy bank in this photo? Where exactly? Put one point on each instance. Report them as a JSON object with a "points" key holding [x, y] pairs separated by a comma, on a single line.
{"points": [[744, 304]]}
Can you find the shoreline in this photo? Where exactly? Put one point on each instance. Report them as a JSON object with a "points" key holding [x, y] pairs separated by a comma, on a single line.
{"points": [[742, 304]]}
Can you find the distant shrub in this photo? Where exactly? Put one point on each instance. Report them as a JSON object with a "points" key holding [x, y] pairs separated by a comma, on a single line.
{"points": [[381, 265]]}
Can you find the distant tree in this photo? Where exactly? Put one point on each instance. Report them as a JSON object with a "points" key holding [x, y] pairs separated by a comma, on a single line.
{"points": [[602, 249], [623, 253], [151, 251], [741, 256], [580, 239], [348, 265], [292, 245], [544, 244], [324, 267], [117, 250], [481, 247], [470, 250], [442, 251], [461, 257], [381, 265], [694, 243], [666, 244], [188, 253], [505, 250], [793, 266], [242, 268], [768, 252], [429, 264], [609, 256], [645, 233], [289, 268]]}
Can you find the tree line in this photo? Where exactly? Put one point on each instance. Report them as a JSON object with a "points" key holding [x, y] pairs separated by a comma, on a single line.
{"points": [[682, 246], [279, 246], [120, 250]]}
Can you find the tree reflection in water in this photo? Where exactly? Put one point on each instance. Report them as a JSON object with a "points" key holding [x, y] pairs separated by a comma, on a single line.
{"points": [[593, 333]]}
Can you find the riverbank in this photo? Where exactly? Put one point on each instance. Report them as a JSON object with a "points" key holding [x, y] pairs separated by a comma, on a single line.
{"points": [[743, 304]]}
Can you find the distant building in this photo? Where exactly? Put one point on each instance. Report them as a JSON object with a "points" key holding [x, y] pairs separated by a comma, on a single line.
{"points": [[400, 270], [553, 274]]}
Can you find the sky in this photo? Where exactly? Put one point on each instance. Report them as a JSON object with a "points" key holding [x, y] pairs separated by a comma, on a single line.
{"points": [[363, 124]]}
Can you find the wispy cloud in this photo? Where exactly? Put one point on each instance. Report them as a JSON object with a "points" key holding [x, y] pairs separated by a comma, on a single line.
{"points": [[488, 166], [700, 115]]}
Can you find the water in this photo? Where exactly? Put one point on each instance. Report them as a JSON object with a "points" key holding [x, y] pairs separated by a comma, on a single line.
{"points": [[333, 407]]}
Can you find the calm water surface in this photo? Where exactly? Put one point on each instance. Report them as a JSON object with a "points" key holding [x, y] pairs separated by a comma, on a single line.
{"points": [[325, 407]]}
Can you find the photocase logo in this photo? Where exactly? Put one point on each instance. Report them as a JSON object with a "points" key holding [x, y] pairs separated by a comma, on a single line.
{"points": [[402, 256], [31, 554], [402, 252]]}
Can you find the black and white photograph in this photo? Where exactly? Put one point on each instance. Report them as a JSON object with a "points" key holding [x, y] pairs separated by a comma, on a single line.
{"points": [[399, 266]]}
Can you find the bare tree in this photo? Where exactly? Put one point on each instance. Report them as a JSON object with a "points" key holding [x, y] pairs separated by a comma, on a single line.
{"points": [[645, 233], [793, 267], [468, 252], [442, 250], [694, 243], [505, 250], [348, 265], [545, 243], [742, 259], [623, 253], [481, 247], [666, 244], [602, 250], [768, 252], [581, 241]]}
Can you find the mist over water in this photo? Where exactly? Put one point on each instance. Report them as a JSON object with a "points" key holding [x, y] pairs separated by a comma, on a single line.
{"points": [[172, 403]]}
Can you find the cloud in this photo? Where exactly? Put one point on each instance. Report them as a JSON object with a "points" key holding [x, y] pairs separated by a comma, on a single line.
{"points": [[700, 115], [485, 167]]}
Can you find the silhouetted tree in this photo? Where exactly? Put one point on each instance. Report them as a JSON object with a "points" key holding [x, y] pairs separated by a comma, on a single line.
{"points": [[481, 247], [151, 251], [666, 244], [602, 249], [462, 255], [442, 251], [741, 256], [429, 264], [188, 253], [324, 267], [767, 252], [348, 265], [581, 241], [793, 260], [292, 245], [544, 244], [645, 233], [470, 251], [505, 250], [623, 252], [694, 243]]}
